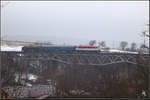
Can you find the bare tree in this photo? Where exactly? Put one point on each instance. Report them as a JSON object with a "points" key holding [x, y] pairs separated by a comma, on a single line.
{"points": [[143, 68], [142, 74], [123, 45], [145, 35], [133, 46], [102, 44], [92, 42], [8, 70], [148, 35]]}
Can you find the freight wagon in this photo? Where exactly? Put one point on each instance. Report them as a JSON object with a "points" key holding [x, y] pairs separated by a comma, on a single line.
{"points": [[61, 48], [87, 48], [57, 48], [48, 49]]}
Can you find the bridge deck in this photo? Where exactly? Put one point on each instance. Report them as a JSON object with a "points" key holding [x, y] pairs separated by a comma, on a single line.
{"points": [[83, 58]]}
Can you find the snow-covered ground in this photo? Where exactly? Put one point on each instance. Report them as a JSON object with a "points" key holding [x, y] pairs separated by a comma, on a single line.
{"points": [[29, 92], [11, 48], [117, 51], [28, 76], [121, 51]]}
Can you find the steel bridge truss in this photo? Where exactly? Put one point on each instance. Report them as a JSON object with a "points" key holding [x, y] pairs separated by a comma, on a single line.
{"points": [[86, 59]]}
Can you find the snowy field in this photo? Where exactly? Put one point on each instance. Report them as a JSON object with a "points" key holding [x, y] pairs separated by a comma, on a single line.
{"points": [[11, 48], [29, 92]]}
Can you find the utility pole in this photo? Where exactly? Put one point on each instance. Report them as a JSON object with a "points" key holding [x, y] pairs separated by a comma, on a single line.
{"points": [[3, 4], [144, 34], [113, 45], [148, 35], [149, 67]]}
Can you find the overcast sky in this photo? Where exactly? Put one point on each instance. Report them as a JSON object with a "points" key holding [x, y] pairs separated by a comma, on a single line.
{"points": [[75, 22]]}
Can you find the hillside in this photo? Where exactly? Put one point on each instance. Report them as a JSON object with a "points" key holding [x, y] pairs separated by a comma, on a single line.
{"points": [[22, 43]]}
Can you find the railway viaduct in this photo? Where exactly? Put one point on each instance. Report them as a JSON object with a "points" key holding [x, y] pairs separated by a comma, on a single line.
{"points": [[79, 58]]}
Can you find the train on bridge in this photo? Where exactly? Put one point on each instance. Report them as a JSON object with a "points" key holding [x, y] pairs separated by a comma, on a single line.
{"points": [[60, 48], [84, 49], [90, 49]]}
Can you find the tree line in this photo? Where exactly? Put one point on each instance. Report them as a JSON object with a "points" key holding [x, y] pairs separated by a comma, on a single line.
{"points": [[124, 45]]}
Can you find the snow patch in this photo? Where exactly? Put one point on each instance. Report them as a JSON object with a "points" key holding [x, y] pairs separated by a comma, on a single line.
{"points": [[121, 51], [28, 76], [28, 84], [11, 48]]}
